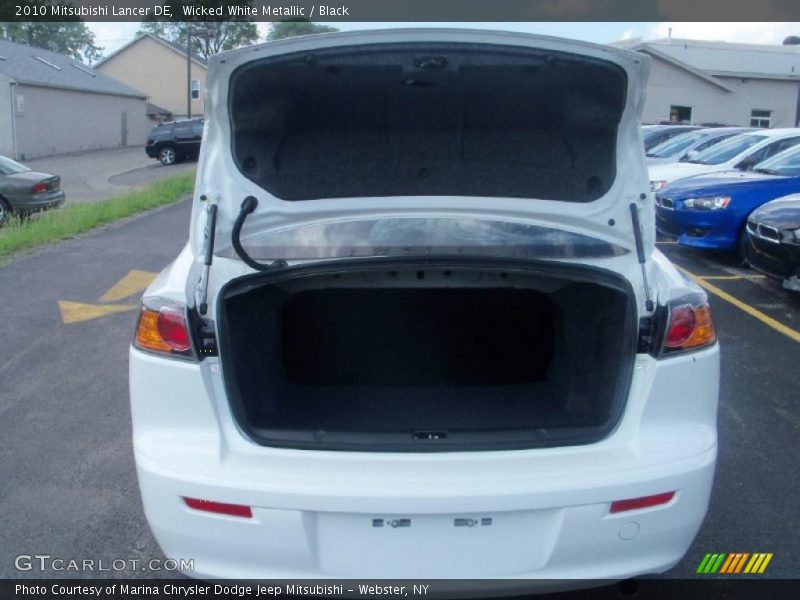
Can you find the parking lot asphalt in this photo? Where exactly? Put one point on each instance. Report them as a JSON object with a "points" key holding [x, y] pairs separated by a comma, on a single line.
{"points": [[97, 175], [68, 480]]}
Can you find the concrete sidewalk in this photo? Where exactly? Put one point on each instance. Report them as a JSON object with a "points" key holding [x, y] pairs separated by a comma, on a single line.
{"points": [[100, 174]]}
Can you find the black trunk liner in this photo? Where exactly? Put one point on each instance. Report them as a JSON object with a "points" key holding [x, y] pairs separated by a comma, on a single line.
{"points": [[366, 361], [450, 409]]}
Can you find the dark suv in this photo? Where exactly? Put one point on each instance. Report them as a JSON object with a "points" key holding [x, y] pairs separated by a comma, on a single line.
{"points": [[174, 141]]}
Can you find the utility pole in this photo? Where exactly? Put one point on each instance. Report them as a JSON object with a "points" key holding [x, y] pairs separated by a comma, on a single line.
{"points": [[207, 34], [188, 73]]}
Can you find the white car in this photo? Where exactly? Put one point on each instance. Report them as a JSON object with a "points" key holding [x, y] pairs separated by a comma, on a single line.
{"points": [[686, 146], [420, 328], [741, 152]]}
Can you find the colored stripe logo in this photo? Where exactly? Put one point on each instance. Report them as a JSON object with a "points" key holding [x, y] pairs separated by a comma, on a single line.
{"points": [[735, 562]]}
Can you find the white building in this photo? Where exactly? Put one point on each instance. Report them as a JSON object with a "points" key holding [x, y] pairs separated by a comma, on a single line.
{"points": [[719, 82], [52, 104]]}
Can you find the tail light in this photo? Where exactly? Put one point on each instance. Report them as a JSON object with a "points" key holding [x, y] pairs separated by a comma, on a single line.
{"points": [[163, 328], [39, 188], [689, 325]]}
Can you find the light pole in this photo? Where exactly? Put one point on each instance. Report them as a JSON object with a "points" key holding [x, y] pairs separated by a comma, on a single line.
{"points": [[207, 34]]}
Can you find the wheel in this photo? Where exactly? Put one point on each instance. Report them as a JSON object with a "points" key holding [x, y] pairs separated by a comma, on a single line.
{"points": [[167, 155], [5, 211]]}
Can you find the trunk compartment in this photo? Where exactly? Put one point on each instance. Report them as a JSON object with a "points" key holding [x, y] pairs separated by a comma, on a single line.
{"points": [[427, 355]]}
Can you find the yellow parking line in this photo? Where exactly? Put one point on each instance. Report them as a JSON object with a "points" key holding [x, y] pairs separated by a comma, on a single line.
{"points": [[134, 281], [731, 277], [753, 312], [75, 312]]}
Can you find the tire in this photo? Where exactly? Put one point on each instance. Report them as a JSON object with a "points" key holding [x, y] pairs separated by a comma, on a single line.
{"points": [[5, 211], [167, 155]]}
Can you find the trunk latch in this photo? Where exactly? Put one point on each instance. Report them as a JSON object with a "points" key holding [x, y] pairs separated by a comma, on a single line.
{"points": [[430, 435], [430, 62]]}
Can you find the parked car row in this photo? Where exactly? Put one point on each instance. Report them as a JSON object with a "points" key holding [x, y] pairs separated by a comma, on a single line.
{"points": [[685, 147], [740, 194], [654, 135]]}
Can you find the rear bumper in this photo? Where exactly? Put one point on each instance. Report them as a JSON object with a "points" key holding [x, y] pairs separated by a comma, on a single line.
{"points": [[564, 533], [313, 511], [37, 202]]}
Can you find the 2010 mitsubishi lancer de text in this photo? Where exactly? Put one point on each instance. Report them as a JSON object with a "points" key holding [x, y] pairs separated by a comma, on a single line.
{"points": [[421, 328]]}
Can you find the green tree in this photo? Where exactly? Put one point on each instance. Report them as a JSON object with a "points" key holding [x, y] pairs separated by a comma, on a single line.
{"points": [[72, 38], [294, 27], [209, 36]]}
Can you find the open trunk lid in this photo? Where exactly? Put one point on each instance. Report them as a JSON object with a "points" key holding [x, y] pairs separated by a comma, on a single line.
{"points": [[427, 141]]}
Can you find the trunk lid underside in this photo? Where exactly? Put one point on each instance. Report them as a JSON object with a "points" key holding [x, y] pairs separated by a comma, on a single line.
{"points": [[498, 126]]}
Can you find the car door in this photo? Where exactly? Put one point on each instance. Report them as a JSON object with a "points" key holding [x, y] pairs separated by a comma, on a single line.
{"points": [[197, 135], [185, 137]]}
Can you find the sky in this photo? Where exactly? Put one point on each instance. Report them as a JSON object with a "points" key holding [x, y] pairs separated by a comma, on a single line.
{"points": [[111, 36]]}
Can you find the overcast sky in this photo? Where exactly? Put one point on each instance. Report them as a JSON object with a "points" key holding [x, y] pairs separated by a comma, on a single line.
{"points": [[112, 35]]}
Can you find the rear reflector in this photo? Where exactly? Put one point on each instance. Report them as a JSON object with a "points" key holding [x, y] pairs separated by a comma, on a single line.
{"points": [[643, 502], [220, 508]]}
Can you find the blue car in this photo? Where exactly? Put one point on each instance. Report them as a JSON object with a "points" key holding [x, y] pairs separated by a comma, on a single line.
{"points": [[711, 210]]}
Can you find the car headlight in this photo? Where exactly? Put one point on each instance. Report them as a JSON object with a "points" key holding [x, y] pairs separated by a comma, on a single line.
{"points": [[796, 234], [708, 203], [657, 185]]}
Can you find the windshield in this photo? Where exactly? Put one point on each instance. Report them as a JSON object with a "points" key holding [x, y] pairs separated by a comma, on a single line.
{"points": [[413, 236], [9, 167], [727, 150], [676, 145], [648, 134], [786, 163]]}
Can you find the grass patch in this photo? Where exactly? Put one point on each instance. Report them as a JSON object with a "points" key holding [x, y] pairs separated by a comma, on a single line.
{"points": [[73, 219]]}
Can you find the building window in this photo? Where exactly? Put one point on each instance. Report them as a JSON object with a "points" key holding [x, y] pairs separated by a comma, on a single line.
{"points": [[195, 89], [761, 118], [680, 114]]}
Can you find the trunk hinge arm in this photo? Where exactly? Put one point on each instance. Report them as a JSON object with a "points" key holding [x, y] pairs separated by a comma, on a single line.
{"points": [[249, 204], [637, 235], [208, 258]]}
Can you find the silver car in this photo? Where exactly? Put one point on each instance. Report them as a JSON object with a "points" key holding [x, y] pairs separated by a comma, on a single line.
{"points": [[23, 191]]}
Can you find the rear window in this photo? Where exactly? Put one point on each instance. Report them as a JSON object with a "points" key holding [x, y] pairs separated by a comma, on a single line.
{"points": [[9, 167], [430, 120]]}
